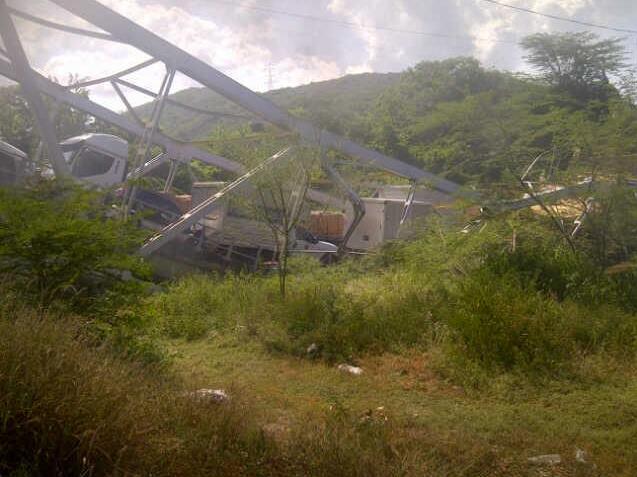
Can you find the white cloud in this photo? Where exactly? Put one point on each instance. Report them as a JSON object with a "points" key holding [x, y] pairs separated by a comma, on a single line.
{"points": [[243, 42]]}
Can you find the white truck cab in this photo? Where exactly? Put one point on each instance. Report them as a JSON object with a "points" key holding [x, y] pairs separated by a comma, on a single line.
{"points": [[99, 159], [14, 165]]}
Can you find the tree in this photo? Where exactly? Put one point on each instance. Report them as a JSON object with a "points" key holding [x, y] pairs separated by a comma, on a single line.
{"points": [[578, 63], [282, 191]]}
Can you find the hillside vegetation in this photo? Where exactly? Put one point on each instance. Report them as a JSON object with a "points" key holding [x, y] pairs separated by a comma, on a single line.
{"points": [[351, 95], [453, 117]]}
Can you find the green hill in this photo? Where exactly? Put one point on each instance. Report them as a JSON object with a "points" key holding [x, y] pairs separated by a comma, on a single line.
{"points": [[453, 117], [351, 95]]}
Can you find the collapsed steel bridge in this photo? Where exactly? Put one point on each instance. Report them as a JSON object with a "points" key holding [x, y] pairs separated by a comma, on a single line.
{"points": [[116, 28]]}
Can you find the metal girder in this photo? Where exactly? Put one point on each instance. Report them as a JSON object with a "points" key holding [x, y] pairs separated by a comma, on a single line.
{"points": [[358, 206], [408, 203], [129, 107], [179, 104], [171, 231], [146, 141], [119, 74], [179, 151], [553, 196], [149, 166], [57, 26], [25, 75], [129, 32]]}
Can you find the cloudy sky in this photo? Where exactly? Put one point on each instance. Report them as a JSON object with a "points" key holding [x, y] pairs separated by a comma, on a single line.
{"points": [[246, 39]]}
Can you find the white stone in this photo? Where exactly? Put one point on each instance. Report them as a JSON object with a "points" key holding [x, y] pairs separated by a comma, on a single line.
{"points": [[580, 456], [312, 349], [214, 395], [547, 459], [355, 370]]}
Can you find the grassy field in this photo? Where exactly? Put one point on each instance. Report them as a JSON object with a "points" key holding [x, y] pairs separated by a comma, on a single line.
{"points": [[475, 357], [461, 432]]}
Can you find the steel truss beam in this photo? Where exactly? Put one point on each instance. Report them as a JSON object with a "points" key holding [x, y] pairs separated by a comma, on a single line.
{"points": [[181, 152], [57, 26], [146, 141], [116, 79], [199, 212], [26, 77], [127, 71], [129, 107], [122, 30], [179, 104], [128, 32]]}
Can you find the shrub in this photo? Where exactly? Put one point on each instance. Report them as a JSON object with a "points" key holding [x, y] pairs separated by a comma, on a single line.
{"points": [[58, 247], [500, 323], [504, 323], [193, 306], [345, 318]]}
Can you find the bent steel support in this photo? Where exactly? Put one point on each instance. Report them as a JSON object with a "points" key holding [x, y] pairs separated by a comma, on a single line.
{"points": [[25, 75], [179, 151], [129, 32], [193, 216]]}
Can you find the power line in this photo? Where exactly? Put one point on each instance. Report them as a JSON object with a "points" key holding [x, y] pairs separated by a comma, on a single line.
{"points": [[359, 26], [564, 19]]}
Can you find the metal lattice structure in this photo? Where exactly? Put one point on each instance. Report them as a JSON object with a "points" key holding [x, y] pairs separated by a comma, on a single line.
{"points": [[119, 29]]}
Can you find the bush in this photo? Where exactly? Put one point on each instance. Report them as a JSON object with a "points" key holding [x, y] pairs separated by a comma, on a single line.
{"points": [[512, 296], [504, 323], [500, 323], [196, 305], [58, 247], [346, 318]]}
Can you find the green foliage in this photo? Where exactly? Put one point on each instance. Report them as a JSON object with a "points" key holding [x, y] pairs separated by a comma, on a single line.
{"points": [[197, 305], [58, 246], [15, 121], [18, 128], [339, 104], [503, 322], [578, 63], [499, 322], [611, 230], [510, 297], [453, 117], [344, 323]]}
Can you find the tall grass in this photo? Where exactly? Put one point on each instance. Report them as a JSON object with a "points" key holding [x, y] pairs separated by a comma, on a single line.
{"points": [[510, 297], [505, 323], [70, 408]]}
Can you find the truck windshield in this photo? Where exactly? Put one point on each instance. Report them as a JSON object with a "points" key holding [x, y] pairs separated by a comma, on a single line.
{"points": [[89, 163]]}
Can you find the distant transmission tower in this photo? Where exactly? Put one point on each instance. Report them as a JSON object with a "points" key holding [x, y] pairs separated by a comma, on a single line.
{"points": [[270, 80]]}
